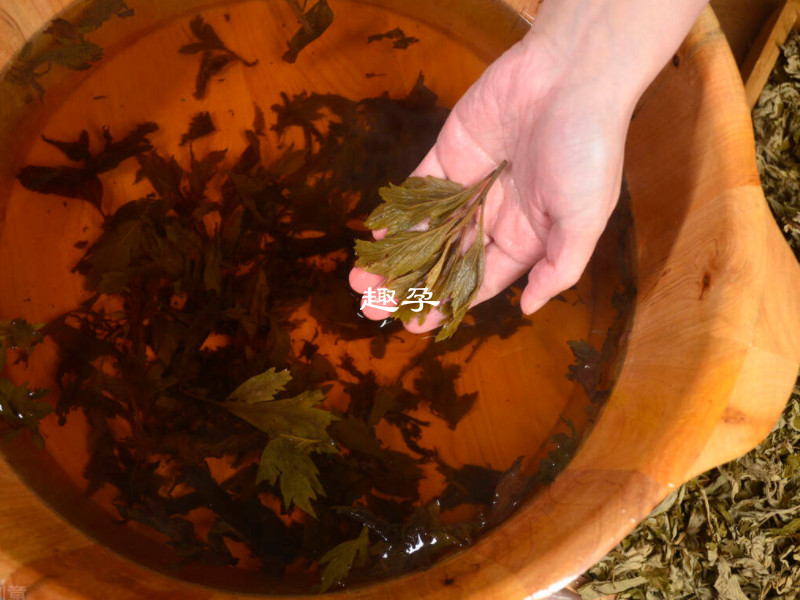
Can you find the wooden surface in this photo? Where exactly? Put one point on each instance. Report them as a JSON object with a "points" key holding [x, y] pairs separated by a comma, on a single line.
{"points": [[712, 357], [741, 20], [766, 48]]}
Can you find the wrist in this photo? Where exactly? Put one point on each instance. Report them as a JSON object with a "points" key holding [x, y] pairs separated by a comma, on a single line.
{"points": [[613, 47]]}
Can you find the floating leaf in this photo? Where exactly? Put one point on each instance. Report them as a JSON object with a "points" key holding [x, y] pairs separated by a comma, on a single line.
{"points": [[261, 388], [340, 559], [299, 481], [18, 334], [296, 418], [201, 125], [586, 368], [20, 407], [400, 40], [70, 182], [216, 55], [313, 24], [83, 183], [100, 11], [76, 151]]}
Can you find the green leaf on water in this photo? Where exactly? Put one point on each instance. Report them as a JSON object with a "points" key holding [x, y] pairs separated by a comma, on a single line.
{"points": [[340, 559], [20, 408], [18, 334], [296, 418], [299, 476], [261, 388]]}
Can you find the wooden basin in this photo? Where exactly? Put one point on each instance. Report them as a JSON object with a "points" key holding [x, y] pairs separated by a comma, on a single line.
{"points": [[712, 357]]}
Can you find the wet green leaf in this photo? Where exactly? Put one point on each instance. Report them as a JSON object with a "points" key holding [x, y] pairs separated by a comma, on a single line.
{"points": [[299, 481], [297, 418], [20, 407], [340, 559], [18, 334], [428, 256]]}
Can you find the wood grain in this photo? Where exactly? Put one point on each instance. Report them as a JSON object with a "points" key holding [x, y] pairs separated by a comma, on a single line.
{"points": [[717, 315], [766, 48], [741, 20]]}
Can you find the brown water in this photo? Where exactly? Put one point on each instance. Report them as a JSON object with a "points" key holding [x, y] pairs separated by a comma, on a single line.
{"points": [[518, 371]]}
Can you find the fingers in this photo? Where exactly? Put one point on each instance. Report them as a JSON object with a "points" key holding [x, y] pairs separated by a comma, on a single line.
{"points": [[360, 281], [501, 271], [569, 248]]}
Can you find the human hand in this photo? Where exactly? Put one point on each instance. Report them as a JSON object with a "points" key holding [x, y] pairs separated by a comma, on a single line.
{"points": [[561, 123]]}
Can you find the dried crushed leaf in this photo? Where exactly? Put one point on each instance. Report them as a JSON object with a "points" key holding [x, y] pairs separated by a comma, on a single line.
{"points": [[730, 533], [776, 119]]}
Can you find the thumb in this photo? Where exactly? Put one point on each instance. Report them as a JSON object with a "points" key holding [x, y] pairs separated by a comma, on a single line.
{"points": [[569, 248]]}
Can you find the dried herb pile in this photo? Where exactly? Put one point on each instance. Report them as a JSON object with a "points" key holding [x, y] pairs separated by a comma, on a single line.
{"points": [[732, 533], [776, 119]]}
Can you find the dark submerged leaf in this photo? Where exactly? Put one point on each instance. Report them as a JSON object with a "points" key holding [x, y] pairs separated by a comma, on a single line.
{"points": [[400, 40], [216, 55], [201, 125], [70, 182], [313, 24]]}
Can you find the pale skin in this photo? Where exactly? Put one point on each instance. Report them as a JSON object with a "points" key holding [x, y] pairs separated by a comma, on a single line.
{"points": [[556, 106]]}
